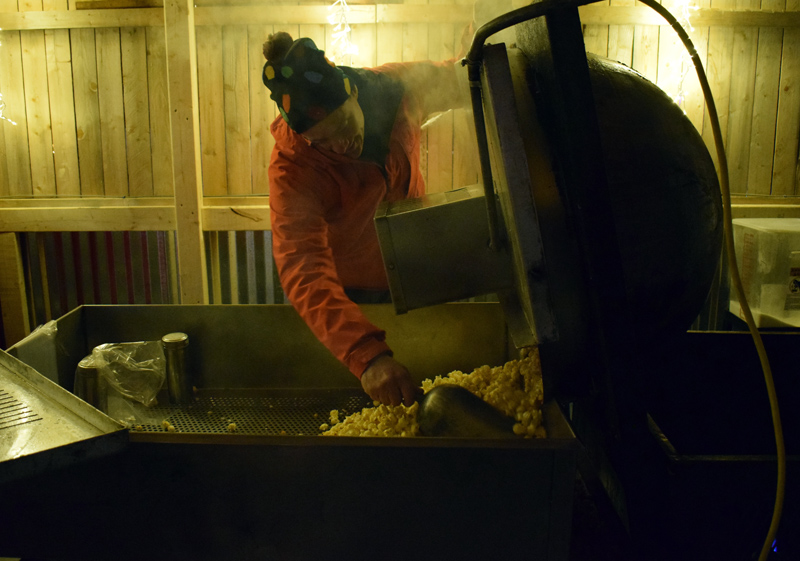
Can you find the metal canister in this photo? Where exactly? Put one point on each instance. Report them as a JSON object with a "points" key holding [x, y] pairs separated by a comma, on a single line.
{"points": [[89, 385], [179, 383]]}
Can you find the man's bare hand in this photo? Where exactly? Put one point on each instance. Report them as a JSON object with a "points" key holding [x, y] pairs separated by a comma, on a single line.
{"points": [[389, 382]]}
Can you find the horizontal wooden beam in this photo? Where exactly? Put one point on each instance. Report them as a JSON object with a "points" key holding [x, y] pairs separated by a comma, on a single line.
{"points": [[84, 202], [236, 218], [83, 219], [226, 214], [368, 14], [104, 4], [741, 210], [74, 19], [113, 214], [113, 4], [279, 15], [704, 17]]}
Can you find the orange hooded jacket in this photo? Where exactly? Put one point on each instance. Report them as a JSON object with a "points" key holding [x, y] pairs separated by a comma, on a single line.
{"points": [[322, 205]]}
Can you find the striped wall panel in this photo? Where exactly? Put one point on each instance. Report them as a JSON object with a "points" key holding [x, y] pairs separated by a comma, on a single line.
{"points": [[67, 269], [241, 269]]}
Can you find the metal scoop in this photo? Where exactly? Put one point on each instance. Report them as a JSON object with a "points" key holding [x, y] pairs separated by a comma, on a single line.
{"points": [[451, 410]]}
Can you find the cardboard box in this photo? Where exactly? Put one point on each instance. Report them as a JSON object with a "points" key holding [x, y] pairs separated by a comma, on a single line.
{"points": [[768, 254]]}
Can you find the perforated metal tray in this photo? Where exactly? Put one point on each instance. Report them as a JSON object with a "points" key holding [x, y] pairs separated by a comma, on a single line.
{"points": [[296, 412]]}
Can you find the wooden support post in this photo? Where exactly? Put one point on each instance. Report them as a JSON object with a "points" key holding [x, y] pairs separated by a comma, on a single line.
{"points": [[181, 48], [16, 324]]}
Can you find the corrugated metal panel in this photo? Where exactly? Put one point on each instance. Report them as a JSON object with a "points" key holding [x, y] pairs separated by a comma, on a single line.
{"points": [[241, 269], [67, 269]]}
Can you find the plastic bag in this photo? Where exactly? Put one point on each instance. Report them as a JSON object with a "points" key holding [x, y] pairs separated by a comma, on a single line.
{"points": [[135, 370]]}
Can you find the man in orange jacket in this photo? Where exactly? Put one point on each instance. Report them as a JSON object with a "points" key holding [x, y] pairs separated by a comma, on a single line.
{"points": [[347, 139]]}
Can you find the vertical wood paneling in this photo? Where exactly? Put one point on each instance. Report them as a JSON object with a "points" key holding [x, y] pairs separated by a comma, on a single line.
{"points": [[465, 144], [389, 46], [718, 69], [212, 110], [262, 111], [137, 111], [182, 70], [785, 176], [595, 37], [237, 109], [440, 132], [62, 107], [415, 47], [159, 112], [4, 181], [112, 137], [672, 64], [37, 106], [765, 104], [87, 112], [5, 190], [112, 111], [694, 103], [364, 36], [620, 38], [323, 40], [743, 77], [15, 169], [645, 50]]}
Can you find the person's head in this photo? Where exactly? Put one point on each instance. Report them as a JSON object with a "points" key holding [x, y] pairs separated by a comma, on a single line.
{"points": [[314, 97]]}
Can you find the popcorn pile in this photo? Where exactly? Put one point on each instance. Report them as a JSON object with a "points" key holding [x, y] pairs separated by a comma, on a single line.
{"points": [[514, 388]]}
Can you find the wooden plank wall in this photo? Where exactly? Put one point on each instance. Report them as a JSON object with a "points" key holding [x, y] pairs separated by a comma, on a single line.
{"points": [[91, 104]]}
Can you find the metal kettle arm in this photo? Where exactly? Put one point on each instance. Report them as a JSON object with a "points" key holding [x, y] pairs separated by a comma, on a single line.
{"points": [[473, 62]]}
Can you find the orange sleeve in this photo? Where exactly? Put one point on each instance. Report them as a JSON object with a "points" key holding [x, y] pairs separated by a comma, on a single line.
{"points": [[307, 270]]}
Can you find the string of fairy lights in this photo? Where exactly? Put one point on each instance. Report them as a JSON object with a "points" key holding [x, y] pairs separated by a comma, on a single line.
{"points": [[343, 49]]}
